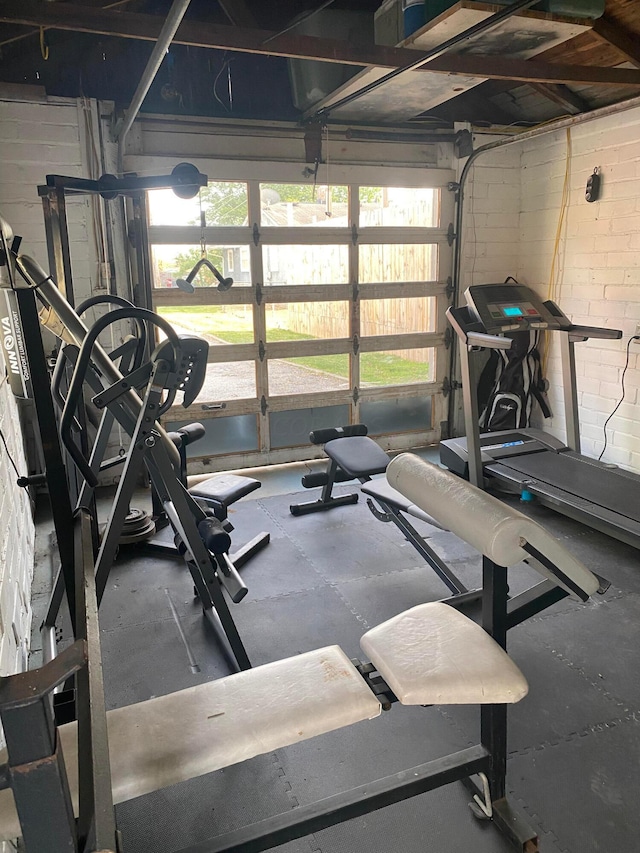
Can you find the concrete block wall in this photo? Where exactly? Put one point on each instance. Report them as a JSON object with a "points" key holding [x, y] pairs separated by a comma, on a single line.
{"points": [[597, 271]]}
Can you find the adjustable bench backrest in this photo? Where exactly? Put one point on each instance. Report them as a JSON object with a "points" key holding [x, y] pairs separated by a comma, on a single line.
{"points": [[493, 528]]}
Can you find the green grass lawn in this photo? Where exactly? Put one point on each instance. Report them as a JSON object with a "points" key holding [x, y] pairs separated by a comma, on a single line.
{"points": [[376, 368]]}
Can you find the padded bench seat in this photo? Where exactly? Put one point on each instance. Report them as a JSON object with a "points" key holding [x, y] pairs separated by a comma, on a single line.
{"points": [[173, 738], [358, 455], [434, 655], [224, 489]]}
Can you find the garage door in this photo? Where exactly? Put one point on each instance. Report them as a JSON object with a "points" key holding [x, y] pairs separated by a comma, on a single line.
{"points": [[335, 316]]}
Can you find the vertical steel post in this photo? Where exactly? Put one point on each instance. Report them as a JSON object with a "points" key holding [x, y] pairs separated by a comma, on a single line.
{"points": [[471, 418], [493, 718], [570, 390]]}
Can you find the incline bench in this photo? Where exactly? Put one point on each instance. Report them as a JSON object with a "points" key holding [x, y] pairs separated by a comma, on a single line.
{"points": [[430, 654], [355, 456]]}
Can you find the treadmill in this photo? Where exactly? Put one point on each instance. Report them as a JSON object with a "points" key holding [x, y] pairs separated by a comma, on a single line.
{"points": [[530, 461]]}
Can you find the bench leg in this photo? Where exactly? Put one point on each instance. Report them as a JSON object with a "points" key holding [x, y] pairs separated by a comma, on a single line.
{"points": [[390, 513], [326, 499], [247, 551]]}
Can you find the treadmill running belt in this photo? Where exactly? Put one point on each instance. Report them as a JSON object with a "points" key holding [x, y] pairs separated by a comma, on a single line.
{"points": [[604, 487]]}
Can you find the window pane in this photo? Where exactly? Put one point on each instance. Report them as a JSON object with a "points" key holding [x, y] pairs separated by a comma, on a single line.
{"points": [[223, 203], [397, 367], [399, 206], [219, 324], [298, 321], [222, 435], [308, 374], [165, 208], [228, 380], [292, 427], [397, 316], [401, 415], [386, 263], [296, 205], [170, 263], [305, 264]]}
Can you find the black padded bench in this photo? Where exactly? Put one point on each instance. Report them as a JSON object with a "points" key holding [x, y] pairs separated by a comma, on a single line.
{"points": [[218, 492], [353, 455]]}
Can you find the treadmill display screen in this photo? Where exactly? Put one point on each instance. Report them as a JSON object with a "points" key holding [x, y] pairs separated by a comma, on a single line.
{"points": [[513, 311]]}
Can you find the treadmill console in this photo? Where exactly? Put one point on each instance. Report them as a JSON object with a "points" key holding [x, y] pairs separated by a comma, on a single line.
{"points": [[512, 307]]}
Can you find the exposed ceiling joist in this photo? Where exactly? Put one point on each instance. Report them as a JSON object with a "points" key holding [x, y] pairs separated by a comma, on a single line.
{"points": [[19, 33], [618, 38], [200, 34]]}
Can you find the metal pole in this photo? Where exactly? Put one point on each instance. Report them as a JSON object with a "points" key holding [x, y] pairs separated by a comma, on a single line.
{"points": [[570, 391], [171, 24], [471, 418]]}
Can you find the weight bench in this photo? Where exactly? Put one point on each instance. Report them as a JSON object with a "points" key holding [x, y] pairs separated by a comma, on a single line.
{"points": [[355, 456], [430, 654]]}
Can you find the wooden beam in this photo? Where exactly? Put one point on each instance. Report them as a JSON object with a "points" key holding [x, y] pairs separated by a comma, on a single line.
{"points": [[18, 33], [627, 44], [200, 34], [563, 96]]}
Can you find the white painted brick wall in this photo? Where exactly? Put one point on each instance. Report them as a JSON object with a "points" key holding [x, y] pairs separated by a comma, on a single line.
{"points": [[599, 266], [17, 538], [36, 138], [518, 190]]}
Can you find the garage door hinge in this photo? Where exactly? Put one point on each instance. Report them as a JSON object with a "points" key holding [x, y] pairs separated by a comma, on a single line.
{"points": [[356, 344], [448, 337], [355, 293], [256, 234], [354, 234], [263, 405], [451, 234], [258, 293], [448, 386], [261, 350], [356, 394], [449, 288]]}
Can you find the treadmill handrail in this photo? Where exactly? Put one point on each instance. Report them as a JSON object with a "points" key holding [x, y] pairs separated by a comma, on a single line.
{"points": [[481, 339], [586, 332], [463, 325]]}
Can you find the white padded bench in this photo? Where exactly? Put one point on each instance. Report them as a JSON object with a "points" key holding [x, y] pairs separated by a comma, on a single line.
{"points": [[423, 654], [492, 527]]}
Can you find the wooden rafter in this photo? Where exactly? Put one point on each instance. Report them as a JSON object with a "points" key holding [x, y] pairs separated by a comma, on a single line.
{"points": [[201, 34], [627, 45], [19, 33]]}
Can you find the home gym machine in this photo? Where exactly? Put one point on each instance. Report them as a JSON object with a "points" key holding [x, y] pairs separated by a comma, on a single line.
{"points": [[201, 531], [430, 654], [530, 461]]}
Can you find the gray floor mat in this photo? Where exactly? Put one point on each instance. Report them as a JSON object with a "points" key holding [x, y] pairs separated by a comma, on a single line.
{"points": [[585, 790]]}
